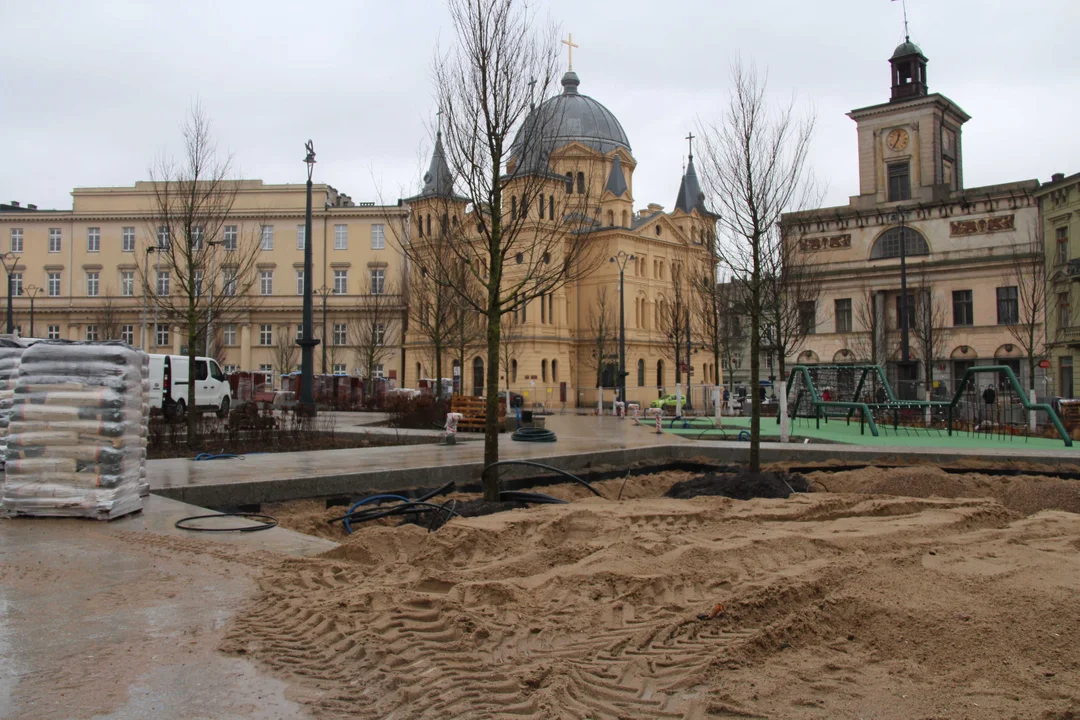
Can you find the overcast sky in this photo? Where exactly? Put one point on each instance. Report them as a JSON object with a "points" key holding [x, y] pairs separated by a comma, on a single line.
{"points": [[92, 91]]}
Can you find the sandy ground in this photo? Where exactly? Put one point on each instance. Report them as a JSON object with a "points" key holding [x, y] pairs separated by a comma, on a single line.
{"points": [[879, 601]]}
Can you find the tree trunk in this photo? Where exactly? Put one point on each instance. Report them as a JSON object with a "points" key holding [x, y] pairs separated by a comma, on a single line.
{"points": [[755, 371], [438, 372], [491, 393], [192, 415], [785, 424]]}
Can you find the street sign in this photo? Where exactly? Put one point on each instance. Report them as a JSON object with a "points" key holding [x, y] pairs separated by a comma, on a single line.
{"points": [[1044, 364]]}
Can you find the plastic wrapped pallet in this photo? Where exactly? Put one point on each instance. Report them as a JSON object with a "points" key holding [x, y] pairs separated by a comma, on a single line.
{"points": [[77, 431], [11, 351]]}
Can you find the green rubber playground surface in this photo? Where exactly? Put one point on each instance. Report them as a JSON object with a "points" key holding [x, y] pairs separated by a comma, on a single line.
{"points": [[838, 431]]}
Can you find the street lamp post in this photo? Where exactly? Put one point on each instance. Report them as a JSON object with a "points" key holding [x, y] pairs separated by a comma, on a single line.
{"points": [[210, 304], [146, 295], [32, 291], [621, 258], [689, 366], [322, 292], [308, 341], [9, 260], [905, 346]]}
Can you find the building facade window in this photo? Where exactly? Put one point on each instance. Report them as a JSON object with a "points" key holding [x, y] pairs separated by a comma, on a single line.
{"points": [[163, 237], [340, 334], [581, 183], [266, 368], [569, 183], [266, 334], [266, 235], [92, 333], [1064, 311], [1008, 305], [228, 282], [899, 181], [127, 334], [55, 240], [93, 239], [16, 240], [196, 238], [808, 317], [52, 332], [377, 371], [228, 334], [339, 368], [1061, 234], [198, 281], [963, 310], [888, 244], [1066, 364], [163, 282], [161, 335], [299, 282], [127, 239], [300, 239], [641, 373], [378, 236], [93, 280], [16, 283], [378, 281], [230, 369], [228, 238], [127, 283], [341, 282], [378, 333], [843, 315], [266, 282], [54, 284]]}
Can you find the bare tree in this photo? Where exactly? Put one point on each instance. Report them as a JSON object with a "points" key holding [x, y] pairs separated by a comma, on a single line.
{"points": [[285, 350], [929, 329], [374, 330], [756, 171], [676, 317], [194, 235], [500, 150], [435, 310], [106, 317], [1025, 313], [603, 335]]}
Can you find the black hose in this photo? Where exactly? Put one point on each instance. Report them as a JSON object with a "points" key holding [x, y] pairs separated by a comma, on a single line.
{"points": [[450, 514], [530, 497], [532, 434], [426, 496], [267, 523], [530, 463], [399, 509]]}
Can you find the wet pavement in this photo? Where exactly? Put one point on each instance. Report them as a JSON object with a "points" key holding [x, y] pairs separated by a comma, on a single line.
{"points": [[122, 620]]}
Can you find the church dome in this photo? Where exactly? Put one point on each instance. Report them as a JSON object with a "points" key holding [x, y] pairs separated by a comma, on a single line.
{"points": [[566, 118], [906, 48]]}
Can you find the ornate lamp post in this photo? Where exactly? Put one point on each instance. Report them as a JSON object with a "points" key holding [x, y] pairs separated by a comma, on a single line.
{"points": [[621, 258], [32, 291], [9, 261], [210, 305], [308, 342], [322, 292], [905, 310], [146, 293]]}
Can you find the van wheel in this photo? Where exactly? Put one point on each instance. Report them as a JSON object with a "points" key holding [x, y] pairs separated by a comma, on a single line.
{"points": [[223, 411], [179, 410]]}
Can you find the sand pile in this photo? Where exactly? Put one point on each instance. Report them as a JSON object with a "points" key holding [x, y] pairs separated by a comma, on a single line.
{"points": [[837, 606]]}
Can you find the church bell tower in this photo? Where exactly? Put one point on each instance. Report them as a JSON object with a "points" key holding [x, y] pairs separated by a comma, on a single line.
{"points": [[908, 72]]}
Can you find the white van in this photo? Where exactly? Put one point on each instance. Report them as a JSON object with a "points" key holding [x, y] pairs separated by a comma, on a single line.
{"points": [[169, 379]]}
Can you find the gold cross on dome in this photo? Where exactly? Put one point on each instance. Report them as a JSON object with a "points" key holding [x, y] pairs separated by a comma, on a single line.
{"points": [[569, 43]]}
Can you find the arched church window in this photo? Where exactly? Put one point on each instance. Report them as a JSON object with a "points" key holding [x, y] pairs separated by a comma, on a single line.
{"points": [[420, 223], [551, 207], [554, 371], [513, 371], [611, 218], [541, 207], [543, 371], [888, 244], [429, 224], [641, 373], [624, 218], [513, 207], [569, 183], [581, 183], [524, 206]]}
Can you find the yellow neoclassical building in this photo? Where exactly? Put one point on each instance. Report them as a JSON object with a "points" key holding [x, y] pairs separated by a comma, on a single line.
{"points": [[587, 156], [80, 272]]}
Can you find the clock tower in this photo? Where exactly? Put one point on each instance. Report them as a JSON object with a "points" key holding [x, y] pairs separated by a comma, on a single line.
{"points": [[909, 147]]}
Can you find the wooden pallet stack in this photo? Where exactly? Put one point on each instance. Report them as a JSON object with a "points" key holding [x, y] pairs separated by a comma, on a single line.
{"points": [[473, 411]]}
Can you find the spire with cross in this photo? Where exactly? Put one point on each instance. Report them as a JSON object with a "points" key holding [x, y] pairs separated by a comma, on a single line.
{"points": [[570, 45], [690, 139]]}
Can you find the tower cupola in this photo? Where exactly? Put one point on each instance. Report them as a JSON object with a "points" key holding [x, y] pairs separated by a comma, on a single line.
{"points": [[908, 72]]}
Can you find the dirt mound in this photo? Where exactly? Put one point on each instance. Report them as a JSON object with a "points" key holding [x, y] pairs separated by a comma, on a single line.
{"points": [[1024, 494], [835, 605], [742, 485]]}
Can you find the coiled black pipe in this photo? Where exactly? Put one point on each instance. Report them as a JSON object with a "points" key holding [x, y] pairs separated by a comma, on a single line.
{"points": [[530, 463], [532, 434], [381, 512]]}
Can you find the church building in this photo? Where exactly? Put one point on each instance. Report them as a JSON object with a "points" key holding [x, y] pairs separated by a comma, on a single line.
{"points": [[588, 166]]}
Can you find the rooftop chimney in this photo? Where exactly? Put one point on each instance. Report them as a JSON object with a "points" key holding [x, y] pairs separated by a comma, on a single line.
{"points": [[31, 206], [14, 203], [1057, 177]]}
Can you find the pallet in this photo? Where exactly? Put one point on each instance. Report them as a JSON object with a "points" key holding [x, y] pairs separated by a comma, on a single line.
{"points": [[474, 413]]}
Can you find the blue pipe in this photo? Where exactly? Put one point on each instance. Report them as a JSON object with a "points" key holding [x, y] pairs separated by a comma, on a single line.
{"points": [[365, 501]]}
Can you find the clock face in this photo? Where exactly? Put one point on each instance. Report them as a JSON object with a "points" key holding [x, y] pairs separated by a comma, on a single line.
{"points": [[897, 139]]}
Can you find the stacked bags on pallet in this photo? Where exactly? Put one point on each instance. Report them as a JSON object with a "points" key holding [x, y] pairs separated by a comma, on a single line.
{"points": [[77, 433], [11, 351]]}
